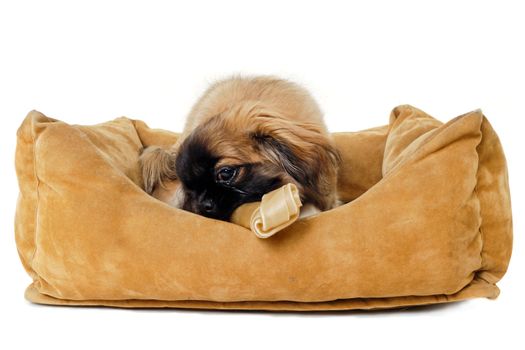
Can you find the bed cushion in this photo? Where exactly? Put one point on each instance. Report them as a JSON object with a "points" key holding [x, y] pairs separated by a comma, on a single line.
{"points": [[427, 220]]}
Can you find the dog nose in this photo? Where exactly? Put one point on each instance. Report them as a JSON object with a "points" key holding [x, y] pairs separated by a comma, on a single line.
{"points": [[207, 205]]}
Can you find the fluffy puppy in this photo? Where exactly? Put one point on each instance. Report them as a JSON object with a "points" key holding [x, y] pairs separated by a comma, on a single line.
{"points": [[243, 138]]}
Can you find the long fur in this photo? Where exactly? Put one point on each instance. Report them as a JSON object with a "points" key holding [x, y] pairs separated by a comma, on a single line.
{"points": [[158, 167], [267, 122]]}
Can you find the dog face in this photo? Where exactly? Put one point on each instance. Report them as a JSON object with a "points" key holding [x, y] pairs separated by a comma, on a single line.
{"points": [[235, 159], [214, 185]]}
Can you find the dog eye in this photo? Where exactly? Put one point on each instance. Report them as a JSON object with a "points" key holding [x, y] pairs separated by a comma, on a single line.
{"points": [[226, 174]]}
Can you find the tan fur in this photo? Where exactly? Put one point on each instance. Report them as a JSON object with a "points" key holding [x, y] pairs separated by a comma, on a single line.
{"points": [[235, 111], [239, 96], [157, 168]]}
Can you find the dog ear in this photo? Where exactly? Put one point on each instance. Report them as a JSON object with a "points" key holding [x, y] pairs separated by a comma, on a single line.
{"points": [[304, 151], [157, 165]]}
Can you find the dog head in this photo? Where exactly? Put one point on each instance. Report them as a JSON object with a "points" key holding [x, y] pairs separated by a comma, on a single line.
{"points": [[241, 154]]}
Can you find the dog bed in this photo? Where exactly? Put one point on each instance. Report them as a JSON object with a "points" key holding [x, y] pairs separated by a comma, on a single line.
{"points": [[427, 220]]}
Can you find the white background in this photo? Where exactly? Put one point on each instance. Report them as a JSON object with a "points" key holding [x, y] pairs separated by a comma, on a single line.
{"points": [[90, 62]]}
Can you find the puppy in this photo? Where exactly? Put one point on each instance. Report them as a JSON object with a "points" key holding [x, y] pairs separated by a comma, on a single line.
{"points": [[243, 138]]}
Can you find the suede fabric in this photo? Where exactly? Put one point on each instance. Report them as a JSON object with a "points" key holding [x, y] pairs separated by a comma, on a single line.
{"points": [[428, 220]]}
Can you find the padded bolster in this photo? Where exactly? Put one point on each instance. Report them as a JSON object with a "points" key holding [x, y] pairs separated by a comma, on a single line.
{"points": [[429, 221]]}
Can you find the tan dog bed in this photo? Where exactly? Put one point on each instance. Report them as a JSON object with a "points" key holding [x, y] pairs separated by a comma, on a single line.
{"points": [[428, 221]]}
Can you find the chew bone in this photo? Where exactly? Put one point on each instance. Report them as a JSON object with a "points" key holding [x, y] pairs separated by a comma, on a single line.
{"points": [[277, 210]]}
